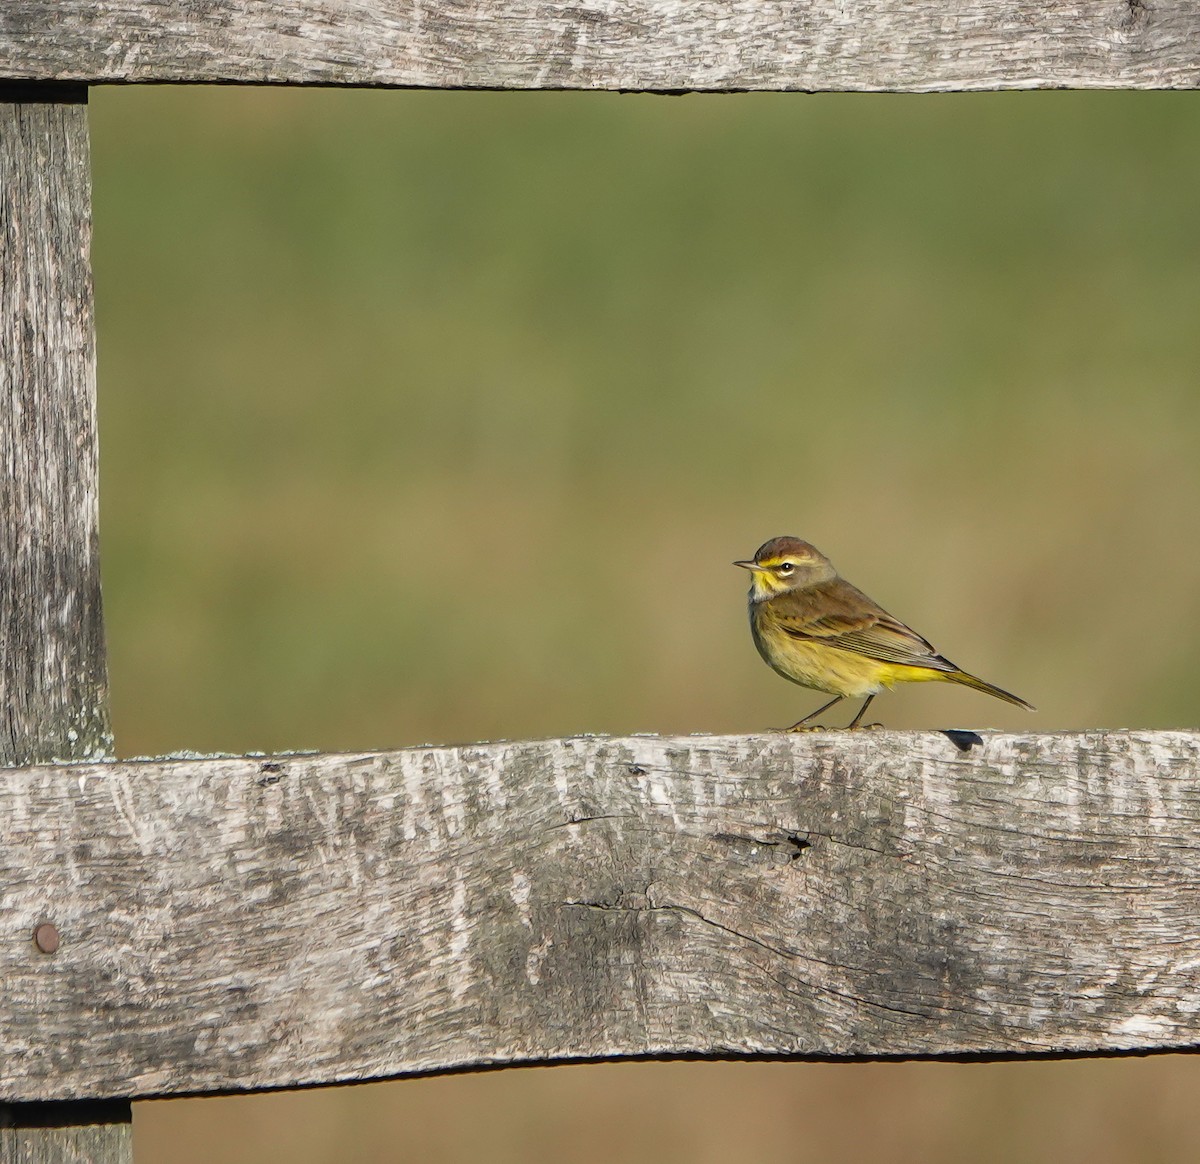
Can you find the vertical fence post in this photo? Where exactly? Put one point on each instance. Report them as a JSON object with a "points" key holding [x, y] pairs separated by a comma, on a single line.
{"points": [[53, 675]]}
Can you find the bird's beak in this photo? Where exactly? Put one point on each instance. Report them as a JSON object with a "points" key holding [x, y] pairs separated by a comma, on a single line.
{"points": [[747, 565]]}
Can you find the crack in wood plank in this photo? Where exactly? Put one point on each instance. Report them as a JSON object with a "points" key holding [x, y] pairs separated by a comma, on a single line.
{"points": [[379, 914]]}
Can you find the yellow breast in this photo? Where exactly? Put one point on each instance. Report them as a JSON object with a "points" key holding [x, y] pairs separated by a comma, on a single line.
{"points": [[813, 664]]}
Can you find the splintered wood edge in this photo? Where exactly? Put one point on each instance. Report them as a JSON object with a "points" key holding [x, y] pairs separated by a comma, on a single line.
{"points": [[247, 923], [651, 45]]}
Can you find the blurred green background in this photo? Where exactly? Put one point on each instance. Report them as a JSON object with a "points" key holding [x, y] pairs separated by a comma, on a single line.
{"points": [[440, 417]]}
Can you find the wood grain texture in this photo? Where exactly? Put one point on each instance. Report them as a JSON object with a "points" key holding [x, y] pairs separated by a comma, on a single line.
{"points": [[234, 924], [912, 45], [53, 684], [99, 1133], [90, 1144], [53, 678]]}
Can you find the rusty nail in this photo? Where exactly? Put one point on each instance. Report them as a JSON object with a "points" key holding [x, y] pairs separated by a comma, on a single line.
{"points": [[46, 938]]}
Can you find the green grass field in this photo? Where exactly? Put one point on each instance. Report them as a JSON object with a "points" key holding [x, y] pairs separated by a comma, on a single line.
{"points": [[440, 417]]}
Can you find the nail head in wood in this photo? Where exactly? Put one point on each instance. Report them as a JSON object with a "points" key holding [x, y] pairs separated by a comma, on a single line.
{"points": [[46, 938]]}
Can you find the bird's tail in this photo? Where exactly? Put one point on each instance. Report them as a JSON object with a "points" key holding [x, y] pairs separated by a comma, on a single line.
{"points": [[988, 689]]}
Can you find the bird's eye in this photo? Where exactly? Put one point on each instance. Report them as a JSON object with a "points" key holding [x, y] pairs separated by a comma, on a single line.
{"points": [[786, 567]]}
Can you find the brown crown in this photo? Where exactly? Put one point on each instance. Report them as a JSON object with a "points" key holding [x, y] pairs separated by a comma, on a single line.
{"points": [[787, 547]]}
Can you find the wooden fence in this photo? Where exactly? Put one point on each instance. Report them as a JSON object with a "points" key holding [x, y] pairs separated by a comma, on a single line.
{"points": [[193, 926]]}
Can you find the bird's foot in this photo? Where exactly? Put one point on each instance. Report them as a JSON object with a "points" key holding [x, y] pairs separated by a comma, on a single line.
{"points": [[868, 727], [803, 727]]}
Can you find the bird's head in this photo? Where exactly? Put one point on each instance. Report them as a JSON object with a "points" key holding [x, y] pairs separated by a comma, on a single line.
{"points": [[784, 564]]}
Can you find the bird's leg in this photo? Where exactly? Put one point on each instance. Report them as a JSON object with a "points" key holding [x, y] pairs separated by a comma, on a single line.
{"points": [[798, 726], [861, 712]]}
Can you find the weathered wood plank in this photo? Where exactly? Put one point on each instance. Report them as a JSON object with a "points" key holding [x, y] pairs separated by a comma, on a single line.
{"points": [[53, 680], [233, 924], [912, 45], [66, 1133]]}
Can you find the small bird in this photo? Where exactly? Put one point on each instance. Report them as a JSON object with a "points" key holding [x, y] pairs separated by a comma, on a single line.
{"points": [[814, 628]]}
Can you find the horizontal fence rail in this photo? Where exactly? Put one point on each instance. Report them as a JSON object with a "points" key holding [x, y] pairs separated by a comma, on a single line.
{"points": [[659, 45], [197, 925]]}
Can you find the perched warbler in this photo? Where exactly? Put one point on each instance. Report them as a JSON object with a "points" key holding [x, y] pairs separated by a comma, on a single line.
{"points": [[817, 630]]}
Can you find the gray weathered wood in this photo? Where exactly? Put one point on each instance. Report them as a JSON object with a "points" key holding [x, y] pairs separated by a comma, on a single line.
{"points": [[66, 1133], [53, 686], [233, 924], [914, 45]]}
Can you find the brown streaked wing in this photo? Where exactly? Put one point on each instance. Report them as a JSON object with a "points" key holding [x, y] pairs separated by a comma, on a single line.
{"points": [[842, 616]]}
